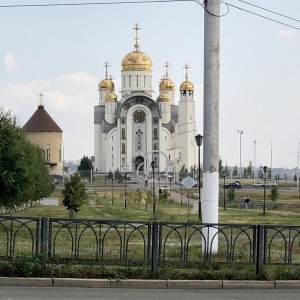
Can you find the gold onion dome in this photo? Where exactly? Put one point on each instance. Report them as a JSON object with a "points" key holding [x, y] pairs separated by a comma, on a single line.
{"points": [[163, 98], [167, 85], [136, 61], [106, 85], [186, 86], [111, 97]]}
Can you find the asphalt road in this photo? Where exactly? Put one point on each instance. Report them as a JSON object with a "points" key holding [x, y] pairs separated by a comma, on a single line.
{"points": [[25, 293]]}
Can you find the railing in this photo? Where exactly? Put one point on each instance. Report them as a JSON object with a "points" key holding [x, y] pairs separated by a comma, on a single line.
{"points": [[151, 243]]}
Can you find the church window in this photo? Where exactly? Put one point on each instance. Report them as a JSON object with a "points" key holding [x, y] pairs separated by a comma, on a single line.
{"points": [[129, 81], [48, 154], [138, 140], [59, 155], [165, 138], [144, 81], [123, 81], [123, 134], [112, 149], [169, 156], [137, 81]]}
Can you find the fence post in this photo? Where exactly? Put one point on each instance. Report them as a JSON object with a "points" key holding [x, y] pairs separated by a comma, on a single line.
{"points": [[154, 260], [44, 243], [260, 250]]}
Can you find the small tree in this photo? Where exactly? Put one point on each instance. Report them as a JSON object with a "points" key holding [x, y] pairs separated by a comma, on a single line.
{"points": [[74, 194], [274, 195], [235, 171], [231, 194]]}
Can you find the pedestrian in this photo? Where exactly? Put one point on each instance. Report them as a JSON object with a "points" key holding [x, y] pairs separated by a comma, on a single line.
{"points": [[247, 200]]}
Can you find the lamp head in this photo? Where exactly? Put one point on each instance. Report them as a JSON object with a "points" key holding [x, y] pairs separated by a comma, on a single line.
{"points": [[265, 169], [199, 139], [152, 164]]}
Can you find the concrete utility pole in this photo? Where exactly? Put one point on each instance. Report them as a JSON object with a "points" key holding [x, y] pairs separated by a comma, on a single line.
{"points": [[211, 124]]}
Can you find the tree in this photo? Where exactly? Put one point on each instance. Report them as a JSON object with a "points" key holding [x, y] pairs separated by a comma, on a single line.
{"points": [[295, 177], [118, 176], [231, 194], [250, 170], [220, 168], [24, 176], [274, 195], [235, 171], [74, 194], [85, 167]]}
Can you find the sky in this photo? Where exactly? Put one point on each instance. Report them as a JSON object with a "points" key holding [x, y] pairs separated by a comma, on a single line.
{"points": [[60, 51]]}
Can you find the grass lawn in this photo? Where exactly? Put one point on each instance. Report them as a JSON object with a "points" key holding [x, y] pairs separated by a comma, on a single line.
{"points": [[112, 208]]}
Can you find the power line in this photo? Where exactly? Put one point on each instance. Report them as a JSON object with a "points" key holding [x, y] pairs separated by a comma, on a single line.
{"points": [[264, 17], [271, 11], [91, 3]]}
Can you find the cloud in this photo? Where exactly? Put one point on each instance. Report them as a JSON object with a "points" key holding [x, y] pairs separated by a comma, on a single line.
{"points": [[10, 62], [285, 33]]}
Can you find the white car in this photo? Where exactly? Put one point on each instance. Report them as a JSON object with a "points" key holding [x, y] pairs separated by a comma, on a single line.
{"points": [[272, 183]]}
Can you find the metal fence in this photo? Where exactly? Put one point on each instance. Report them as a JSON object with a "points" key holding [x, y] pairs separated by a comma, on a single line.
{"points": [[151, 243]]}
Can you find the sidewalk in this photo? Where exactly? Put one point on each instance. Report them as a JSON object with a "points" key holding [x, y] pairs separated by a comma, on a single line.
{"points": [[148, 284]]}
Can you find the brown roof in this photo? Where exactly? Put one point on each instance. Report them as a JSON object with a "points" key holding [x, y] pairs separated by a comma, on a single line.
{"points": [[41, 121]]}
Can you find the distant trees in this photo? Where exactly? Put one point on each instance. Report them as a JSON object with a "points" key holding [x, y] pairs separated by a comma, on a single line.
{"points": [[74, 194], [24, 176]]}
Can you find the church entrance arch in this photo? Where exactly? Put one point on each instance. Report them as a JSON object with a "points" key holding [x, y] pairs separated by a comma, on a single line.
{"points": [[139, 161]]}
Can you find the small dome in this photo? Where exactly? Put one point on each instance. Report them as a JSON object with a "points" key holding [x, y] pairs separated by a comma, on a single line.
{"points": [[163, 97], [136, 61], [167, 85], [106, 85], [111, 97], [186, 86]]}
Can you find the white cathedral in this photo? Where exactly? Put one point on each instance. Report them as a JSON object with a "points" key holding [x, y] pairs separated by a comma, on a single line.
{"points": [[135, 130]]}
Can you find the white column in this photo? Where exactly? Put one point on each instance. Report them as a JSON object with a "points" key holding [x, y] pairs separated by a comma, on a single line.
{"points": [[211, 123]]}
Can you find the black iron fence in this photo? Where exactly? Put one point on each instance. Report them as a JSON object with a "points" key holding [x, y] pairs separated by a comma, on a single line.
{"points": [[151, 243]]}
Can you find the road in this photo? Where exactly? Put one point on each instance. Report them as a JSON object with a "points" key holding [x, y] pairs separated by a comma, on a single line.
{"points": [[21, 293]]}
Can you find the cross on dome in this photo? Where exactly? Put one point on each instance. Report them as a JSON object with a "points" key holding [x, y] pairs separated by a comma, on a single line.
{"points": [[106, 65], [186, 67], [41, 99], [167, 65], [136, 45]]}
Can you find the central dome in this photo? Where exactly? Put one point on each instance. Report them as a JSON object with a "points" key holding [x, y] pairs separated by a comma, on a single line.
{"points": [[136, 61]]}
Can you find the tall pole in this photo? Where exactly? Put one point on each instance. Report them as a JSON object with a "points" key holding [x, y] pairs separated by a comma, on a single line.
{"points": [[211, 124], [254, 163], [224, 204], [63, 163], [264, 207], [240, 132], [271, 161], [153, 188], [199, 185], [298, 170]]}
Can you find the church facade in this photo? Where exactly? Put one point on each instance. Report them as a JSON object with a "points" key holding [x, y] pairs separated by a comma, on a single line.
{"points": [[135, 130]]}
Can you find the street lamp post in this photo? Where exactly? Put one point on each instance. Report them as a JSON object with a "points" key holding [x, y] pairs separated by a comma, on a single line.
{"points": [[125, 191], [112, 191], [199, 139], [153, 189], [240, 132], [254, 160], [224, 176], [265, 168], [170, 179]]}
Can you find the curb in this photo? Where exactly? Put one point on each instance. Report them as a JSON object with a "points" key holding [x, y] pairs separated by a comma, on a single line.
{"points": [[148, 284]]}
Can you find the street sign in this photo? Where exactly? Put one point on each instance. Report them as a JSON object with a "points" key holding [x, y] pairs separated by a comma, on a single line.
{"points": [[188, 182]]}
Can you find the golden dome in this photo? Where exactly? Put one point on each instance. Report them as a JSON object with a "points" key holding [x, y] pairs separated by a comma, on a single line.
{"points": [[186, 86], [167, 85], [163, 97], [106, 85], [136, 61], [111, 97]]}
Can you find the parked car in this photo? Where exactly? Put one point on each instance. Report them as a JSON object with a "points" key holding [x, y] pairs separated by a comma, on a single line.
{"points": [[258, 184], [272, 183], [234, 185]]}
